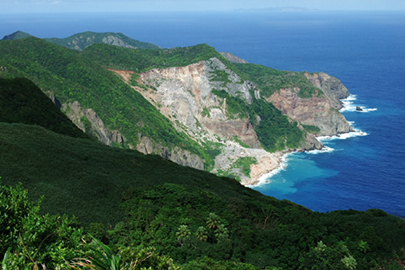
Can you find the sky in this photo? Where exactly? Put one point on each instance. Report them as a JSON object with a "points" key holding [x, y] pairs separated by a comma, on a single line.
{"points": [[55, 6]]}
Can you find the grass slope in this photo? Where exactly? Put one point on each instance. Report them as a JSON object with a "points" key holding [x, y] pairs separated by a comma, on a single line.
{"points": [[85, 178]]}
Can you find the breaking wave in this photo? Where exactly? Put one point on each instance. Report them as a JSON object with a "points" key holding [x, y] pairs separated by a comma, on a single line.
{"points": [[350, 106]]}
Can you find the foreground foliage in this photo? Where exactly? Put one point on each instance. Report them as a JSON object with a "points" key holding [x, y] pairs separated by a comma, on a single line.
{"points": [[29, 240], [172, 227]]}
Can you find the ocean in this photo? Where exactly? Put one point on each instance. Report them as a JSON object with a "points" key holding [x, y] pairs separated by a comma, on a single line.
{"points": [[365, 50]]}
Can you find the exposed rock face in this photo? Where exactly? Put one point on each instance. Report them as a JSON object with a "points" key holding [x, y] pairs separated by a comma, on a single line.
{"points": [[231, 152], [331, 86], [185, 94], [233, 58], [112, 40], [311, 143], [53, 98], [240, 128], [88, 121], [178, 155], [315, 111]]}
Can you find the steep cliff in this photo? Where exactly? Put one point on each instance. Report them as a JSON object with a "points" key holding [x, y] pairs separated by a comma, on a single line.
{"points": [[185, 95], [331, 86], [313, 100], [210, 103], [314, 111], [89, 122], [189, 105]]}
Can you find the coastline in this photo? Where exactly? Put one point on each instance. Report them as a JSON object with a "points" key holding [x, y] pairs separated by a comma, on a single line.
{"points": [[263, 175], [281, 157]]}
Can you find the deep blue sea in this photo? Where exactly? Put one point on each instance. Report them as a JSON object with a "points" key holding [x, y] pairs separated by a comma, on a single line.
{"points": [[365, 50]]}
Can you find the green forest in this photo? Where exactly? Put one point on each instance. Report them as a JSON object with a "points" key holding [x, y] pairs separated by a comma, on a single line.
{"points": [[71, 75], [69, 202]]}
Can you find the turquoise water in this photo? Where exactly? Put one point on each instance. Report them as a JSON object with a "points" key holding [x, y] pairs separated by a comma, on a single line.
{"points": [[364, 49]]}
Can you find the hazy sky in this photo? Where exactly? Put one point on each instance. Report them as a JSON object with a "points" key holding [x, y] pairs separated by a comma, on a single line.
{"points": [[31, 6]]}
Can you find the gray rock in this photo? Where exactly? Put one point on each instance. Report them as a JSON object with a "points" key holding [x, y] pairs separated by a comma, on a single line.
{"points": [[331, 86], [89, 121]]}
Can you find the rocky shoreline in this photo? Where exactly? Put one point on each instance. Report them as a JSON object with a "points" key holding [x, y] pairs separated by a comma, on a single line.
{"points": [[184, 95]]}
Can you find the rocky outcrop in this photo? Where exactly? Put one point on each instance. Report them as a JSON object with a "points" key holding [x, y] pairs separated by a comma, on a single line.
{"points": [[310, 143], [178, 155], [233, 58], [239, 128], [116, 41], [331, 86], [315, 111], [88, 121], [184, 95]]}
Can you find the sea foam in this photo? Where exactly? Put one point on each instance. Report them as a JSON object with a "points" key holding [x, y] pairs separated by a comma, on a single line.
{"points": [[324, 149], [350, 106], [343, 136]]}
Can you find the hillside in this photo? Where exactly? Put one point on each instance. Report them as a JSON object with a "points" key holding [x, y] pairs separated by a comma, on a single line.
{"points": [[16, 35], [135, 202], [93, 97], [81, 41], [21, 101], [189, 105]]}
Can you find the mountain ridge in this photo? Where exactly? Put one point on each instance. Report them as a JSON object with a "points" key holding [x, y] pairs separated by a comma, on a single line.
{"points": [[198, 99], [80, 41]]}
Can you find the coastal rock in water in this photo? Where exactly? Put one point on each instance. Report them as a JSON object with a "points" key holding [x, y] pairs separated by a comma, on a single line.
{"points": [[311, 143], [359, 109]]}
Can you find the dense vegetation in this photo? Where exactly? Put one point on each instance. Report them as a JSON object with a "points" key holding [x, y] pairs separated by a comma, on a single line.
{"points": [[142, 60], [16, 35], [274, 130], [81, 41], [270, 80], [22, 102], [148, 212], [196, 229], [72, 77], [29, 240]]}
